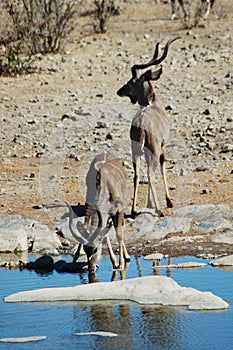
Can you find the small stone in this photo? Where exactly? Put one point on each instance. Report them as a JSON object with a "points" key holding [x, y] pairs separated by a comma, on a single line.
{"points": [[227, 148], [146, 36], [170, 107], [154, 257], [103, 125], [201, 168], [202, 144], [37, 206], [109, 136], [206, 112]]}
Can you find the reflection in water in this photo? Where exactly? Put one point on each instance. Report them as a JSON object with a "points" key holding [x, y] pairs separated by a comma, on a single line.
{"points": [[154, 326], [92, 276], [155, 266]]}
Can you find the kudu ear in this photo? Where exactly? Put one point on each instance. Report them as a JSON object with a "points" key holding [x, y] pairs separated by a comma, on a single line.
{"points": [[156, 75], [149, 75]]}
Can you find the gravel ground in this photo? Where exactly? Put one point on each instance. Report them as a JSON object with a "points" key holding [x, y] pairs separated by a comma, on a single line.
{"points": [[53, 122]]}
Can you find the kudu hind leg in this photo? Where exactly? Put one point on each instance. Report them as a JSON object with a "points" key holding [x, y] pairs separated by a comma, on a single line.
{"points": [[163, 170], [151, 167]]}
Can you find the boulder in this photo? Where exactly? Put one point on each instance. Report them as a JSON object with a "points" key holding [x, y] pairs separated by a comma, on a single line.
{"points": [[151, 227], [223, 261], [150, 290], [13, 239], [44, 239], [12, 260], [17, 234]]}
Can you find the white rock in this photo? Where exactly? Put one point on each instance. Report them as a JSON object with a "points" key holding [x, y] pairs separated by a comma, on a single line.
{"points": [[12, 260], [189, 264], [157, 290], [224, 261], [99, 333], [214, 224], [154, 257], [169, 225], [151, 227], [13, 239], [45, 239], [184, 265], [15, 233], [226, 237], [22, 339]]}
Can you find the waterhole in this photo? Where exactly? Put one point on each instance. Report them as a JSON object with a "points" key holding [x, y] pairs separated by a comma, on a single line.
{"points": [[93, 325]]}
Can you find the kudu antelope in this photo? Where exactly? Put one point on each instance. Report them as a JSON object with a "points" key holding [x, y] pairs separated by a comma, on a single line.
{"points": [[149, 128], [200, 9], [173, 16], [202, 6], [106, 189]]}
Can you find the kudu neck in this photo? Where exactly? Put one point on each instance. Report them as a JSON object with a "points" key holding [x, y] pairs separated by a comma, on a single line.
{"points": [[147, 97]]}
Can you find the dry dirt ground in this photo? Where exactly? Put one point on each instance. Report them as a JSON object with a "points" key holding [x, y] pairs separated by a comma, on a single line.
{"points": [[196, 86]]}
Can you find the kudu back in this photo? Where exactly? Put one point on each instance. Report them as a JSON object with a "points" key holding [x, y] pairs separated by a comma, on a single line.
{"points": [[149, 131], [105, 201]]}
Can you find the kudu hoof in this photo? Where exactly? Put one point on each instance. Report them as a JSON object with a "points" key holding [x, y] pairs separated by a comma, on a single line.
{"points": [[134, 214], [169, 203]]}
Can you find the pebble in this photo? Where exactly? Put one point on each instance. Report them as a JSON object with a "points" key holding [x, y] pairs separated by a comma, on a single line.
{"points": [[227, 148]]}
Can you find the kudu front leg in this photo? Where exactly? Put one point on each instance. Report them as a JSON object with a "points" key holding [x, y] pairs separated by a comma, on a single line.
{"points": [[123, 254], [135, 184], [111, 254], [118, 222]]}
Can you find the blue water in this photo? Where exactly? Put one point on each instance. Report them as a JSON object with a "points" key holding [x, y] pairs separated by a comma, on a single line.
{"points": [[138, 327]]}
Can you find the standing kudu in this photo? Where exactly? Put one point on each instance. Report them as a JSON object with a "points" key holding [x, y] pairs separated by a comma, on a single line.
{"points": [[173, 16], [106, 189], [204, 4], [150, 127]]}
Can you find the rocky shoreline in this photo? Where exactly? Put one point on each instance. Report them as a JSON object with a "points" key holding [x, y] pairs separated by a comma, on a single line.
{"points": [[203, 231]]}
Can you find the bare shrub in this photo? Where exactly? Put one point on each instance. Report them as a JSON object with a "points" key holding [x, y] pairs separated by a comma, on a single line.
{"points": [[30, 27], [104, 9]]}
